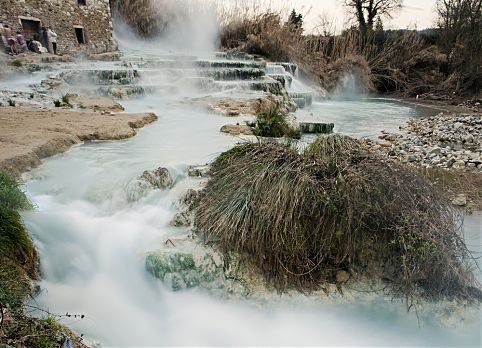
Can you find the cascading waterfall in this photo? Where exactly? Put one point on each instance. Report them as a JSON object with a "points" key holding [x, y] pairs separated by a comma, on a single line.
{"points": [[95, 223]]}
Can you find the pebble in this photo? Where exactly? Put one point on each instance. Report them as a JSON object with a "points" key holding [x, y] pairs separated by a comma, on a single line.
{"points": [[447, 141], [460, 200]]}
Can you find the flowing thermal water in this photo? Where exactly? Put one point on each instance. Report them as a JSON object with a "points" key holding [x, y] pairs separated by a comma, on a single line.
{"points": [[92, 239]]}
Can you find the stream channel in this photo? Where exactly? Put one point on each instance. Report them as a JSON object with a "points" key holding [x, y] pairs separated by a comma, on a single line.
{"points": [[93, 235]]}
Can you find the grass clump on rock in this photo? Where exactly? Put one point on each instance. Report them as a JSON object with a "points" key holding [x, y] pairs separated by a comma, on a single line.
{"points": [[272, 123], [303, 218]]}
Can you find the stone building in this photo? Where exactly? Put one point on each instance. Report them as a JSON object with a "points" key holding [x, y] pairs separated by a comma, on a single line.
{"points": [[81, 25]]}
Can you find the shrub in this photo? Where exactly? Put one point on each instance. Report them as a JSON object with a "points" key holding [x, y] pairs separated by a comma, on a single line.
{"points": [[63, 101], [46, 332], [18, 258], [272, 123], [11, 195], [301, 218], [17, 63], [66, 101], [11, 102]]}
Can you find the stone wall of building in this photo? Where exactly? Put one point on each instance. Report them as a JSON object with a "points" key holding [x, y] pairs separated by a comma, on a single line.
{"points": [[74, 21]]}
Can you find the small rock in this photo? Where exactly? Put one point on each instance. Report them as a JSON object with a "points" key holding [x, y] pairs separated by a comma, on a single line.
{"points": [[191, 198], [181, 219], [458, 164], [436, 160], [412, 158], [159, 178], [236, 129], [198, 171], [460, 200], [136, 190], [384, 143], [435, 150], [342, 277], [469, 138]]}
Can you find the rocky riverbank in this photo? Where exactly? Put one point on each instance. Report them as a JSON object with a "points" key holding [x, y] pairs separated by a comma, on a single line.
{"points": [[446, 148], [446, 141]]}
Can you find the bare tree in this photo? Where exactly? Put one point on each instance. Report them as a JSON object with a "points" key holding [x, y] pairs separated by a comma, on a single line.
{"points": [[460, 23], [457, 18], [366, 11]]}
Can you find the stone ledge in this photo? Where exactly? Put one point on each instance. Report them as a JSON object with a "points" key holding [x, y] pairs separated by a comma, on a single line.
{"points": [[29, 134]]}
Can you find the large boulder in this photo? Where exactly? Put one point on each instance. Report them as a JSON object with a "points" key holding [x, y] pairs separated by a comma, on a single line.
{"points": [[186, 263], [183, 270]]}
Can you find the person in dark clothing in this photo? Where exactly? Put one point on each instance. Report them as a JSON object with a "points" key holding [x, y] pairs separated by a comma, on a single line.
{"points": [[44, 38]]}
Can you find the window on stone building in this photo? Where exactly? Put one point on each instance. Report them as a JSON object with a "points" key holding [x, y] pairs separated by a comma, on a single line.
{"points": [[80, 34], [82, 2], [30, 26]]}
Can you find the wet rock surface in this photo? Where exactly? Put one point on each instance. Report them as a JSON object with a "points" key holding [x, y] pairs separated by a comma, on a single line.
{"points": [[95, 103], [237, 129], [198, 171], [185, 263], [31, 134], [159, 178], [316, 128]]}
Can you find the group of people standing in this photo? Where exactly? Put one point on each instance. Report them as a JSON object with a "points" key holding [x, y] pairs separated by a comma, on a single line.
{"points": [[42, 42]]}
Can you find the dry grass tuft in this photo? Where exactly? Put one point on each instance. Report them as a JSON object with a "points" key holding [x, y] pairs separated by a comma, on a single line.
{"points": [[301, 218]]}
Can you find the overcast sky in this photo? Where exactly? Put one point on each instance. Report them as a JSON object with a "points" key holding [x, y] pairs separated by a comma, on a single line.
{"points": [[415, 13]]}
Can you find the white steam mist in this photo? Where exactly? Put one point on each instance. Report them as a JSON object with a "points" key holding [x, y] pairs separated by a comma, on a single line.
{"points": [[188, 26], [349, 87]]}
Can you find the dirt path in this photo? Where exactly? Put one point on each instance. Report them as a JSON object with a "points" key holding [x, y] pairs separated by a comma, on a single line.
{"points": [[28, 135]]}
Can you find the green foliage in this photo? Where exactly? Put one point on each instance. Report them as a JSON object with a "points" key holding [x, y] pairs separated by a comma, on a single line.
{"points": [[226, 157], [11, 195], [17, 63], [15, 243], [18, 268], [18, 258], [11, 102], [46, 332], [63, 101], [14, 287], [272, 123]]}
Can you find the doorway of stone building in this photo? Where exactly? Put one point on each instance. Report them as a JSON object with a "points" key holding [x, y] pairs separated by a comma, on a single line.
{"points": [[80, 34], [30, 27]]}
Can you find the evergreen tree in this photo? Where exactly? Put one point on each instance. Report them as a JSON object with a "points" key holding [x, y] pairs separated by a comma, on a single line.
{"points": [[296, 19]]}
